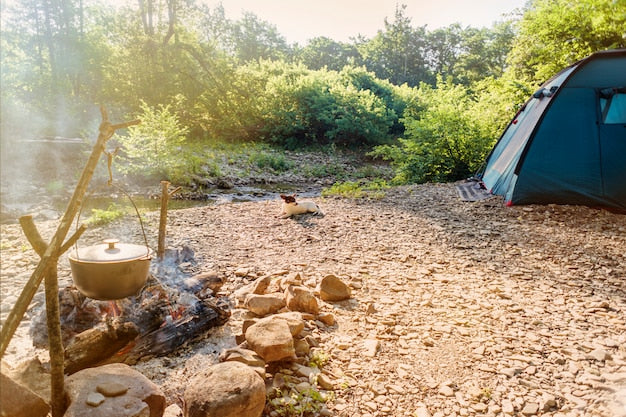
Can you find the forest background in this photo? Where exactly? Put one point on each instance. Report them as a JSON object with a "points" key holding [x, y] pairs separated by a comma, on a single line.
{"points": [[431, 102]]}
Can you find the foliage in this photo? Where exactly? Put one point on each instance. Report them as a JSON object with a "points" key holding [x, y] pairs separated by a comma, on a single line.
{"points": [[295, 403], [296, 107], [318, 358], [55, 186], [153, 147], [277, 162], [556, 33], [445, 140], [374, 189], [323, 52], [200, 78], [101, 217], [398, 52]]}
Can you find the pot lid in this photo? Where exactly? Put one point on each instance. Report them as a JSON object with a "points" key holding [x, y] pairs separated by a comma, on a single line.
{"points": [[110, 251]]}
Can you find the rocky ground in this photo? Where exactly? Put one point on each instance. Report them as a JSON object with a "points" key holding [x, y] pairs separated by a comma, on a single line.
{"points": [[458, 308]]}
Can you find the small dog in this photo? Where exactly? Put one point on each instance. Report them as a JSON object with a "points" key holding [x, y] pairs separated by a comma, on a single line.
{"points": [[291, 207]]}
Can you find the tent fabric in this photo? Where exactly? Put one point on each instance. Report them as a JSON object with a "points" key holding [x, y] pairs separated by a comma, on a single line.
{"points": [[568, 143]]}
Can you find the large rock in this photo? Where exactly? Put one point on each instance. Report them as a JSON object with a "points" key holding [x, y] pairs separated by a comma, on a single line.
{"points": [[334, 289], [271, 340], [260, 285], [265, 304], [18, 401], [33, 375], [113, 390], [228, 389], [301, 299], [293, 318], [245, 356]]}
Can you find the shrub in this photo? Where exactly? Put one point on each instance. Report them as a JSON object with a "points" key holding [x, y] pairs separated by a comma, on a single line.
{"points": [[444, 139], [155, 146]]}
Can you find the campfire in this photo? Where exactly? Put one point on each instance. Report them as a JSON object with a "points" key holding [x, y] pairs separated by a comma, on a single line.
{"points": [[172, 309]]}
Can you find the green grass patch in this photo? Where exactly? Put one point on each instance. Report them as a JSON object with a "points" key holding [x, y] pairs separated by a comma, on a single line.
{"points": [[101, 217], [275, 161], [374, 189], [294, 403]]}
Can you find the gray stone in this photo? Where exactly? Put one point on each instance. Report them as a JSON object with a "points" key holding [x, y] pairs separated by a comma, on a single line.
{"points": [[446, 391], [112, 389], [142, 398], [228, 389], [371, 347], [260, 285], [33, 375], [599, 355], [327, 318], [293, 318], [94, 399], [173, 411], [245, 356]]}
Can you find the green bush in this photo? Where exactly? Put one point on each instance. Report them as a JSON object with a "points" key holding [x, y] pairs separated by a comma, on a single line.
{"points": [[445, 139], [293, 107]]}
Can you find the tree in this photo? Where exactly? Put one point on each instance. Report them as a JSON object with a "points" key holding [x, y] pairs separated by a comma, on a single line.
{"points": [[50, 63], [153, 148], [252, 39], [483, 53], [398, 54], [444, 48], [556, 33], [323, 52]]}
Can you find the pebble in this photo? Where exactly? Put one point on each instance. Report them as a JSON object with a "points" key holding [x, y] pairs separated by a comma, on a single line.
{"points": [[112, 389], [94, 399]]}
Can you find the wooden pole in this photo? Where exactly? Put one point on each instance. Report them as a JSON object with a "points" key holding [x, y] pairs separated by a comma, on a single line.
{"points": [[55, 340], [48, 261], [165, 194]]}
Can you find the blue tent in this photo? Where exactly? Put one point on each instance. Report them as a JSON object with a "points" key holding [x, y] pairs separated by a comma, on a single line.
{"points": [[567, 145]]}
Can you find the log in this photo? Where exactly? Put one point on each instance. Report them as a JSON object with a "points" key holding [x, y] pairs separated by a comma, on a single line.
{"points": [[96, 346]]}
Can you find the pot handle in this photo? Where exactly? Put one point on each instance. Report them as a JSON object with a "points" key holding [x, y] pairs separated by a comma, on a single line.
{"points": [[112, 245], [111, 242]]}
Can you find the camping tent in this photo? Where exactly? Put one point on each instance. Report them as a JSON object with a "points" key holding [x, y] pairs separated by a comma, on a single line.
{"points": [[567, 145]]}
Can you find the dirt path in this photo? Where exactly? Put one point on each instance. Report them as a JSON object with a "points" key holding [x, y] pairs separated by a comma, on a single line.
{"points": [[475, 308]]}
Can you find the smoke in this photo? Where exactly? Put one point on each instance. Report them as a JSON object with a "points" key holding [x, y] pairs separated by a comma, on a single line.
{"points": [[41, 153]]}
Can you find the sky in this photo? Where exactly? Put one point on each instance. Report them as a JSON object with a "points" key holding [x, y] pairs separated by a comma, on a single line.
{"points": [[301, 20]]}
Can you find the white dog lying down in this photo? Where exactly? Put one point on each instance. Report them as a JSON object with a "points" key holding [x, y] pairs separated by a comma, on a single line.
{"points": [[291, 207]]}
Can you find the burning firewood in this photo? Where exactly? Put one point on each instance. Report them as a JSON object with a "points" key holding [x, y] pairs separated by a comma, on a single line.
{"points": [[97, 345]]}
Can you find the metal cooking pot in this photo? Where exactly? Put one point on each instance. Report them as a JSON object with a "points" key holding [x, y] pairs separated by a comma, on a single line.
{"points": [[110, 270]]}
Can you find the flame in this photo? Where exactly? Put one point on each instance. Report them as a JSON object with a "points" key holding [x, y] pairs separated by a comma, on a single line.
{"points": [[111, 309]]}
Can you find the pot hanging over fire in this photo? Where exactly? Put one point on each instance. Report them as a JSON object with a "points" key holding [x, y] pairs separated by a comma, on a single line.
{"points": [[110, 270]]}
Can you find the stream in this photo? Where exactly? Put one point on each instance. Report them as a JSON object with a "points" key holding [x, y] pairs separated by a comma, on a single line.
{"points": [[43, 203]]}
